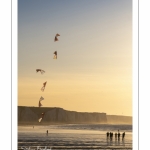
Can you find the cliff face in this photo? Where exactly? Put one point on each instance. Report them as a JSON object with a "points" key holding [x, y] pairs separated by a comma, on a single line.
{"points": [[30, 115], [119, 119], [57, 115]]}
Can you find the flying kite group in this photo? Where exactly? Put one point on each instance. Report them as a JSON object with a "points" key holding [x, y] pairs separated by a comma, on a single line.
{"points": [[55, 39], [44, 84]]}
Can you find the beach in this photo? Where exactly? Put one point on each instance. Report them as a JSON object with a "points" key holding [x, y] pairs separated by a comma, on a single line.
{"points": [[74, 136]]}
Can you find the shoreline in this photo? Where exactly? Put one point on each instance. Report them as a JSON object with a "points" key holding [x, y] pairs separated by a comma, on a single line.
{"points": [[48, 124]]}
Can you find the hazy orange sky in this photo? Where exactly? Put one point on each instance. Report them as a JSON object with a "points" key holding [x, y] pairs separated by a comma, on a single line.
{"points": [[93, 72]]}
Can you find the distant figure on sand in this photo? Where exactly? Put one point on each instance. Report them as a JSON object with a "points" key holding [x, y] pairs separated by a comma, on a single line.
{"points": [[107, 135], [47, 132], [111, 135], [123, 135], [118, 135], [115, 136]]}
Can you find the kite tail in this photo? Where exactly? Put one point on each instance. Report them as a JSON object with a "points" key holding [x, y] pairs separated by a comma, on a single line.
{"points": [[42, 72], [42, 89], [40, 104], [55, 57]]}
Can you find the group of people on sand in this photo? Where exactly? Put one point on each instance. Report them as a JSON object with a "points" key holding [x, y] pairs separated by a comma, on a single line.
{"points": [[117, 135]]}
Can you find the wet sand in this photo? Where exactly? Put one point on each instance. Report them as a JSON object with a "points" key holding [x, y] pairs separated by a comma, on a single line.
{"points": [[59, 138]]}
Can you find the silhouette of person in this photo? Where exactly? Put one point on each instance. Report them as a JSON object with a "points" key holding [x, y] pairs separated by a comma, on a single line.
{"points": [[107, 134], [110, 134], [115, 136], [118, 135], [123, 135], [47, 132]]}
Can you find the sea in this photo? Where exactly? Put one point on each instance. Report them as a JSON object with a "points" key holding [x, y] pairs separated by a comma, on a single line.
{"points": [[74, 136]]}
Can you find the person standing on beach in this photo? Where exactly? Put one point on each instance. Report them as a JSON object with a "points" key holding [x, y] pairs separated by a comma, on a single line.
{"points": [[112, 135], [123, 135], [107, 135], [47, 132], [118, 135], [115, 136]]}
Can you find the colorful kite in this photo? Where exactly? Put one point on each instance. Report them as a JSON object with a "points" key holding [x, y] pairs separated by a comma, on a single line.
{"points": [[56, 39], [55, 55], [43, 88], [42, 115], [40, 101], [40, 70]]}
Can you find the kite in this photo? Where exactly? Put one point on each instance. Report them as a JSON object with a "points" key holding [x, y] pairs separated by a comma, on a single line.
{"points": [[42, 115], [55, 55], [43, 88], [56, 39], [40, 101], [42, 71]]}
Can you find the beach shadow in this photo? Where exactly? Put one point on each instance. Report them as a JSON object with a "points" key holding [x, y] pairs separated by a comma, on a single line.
{"points": [[108, 142], [123, 142]]}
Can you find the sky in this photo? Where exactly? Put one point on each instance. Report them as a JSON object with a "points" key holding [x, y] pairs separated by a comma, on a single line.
{"points": [[93, 70]]}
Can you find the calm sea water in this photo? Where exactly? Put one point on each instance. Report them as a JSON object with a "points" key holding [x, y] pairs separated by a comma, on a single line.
{"points": [[74, 136]]}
